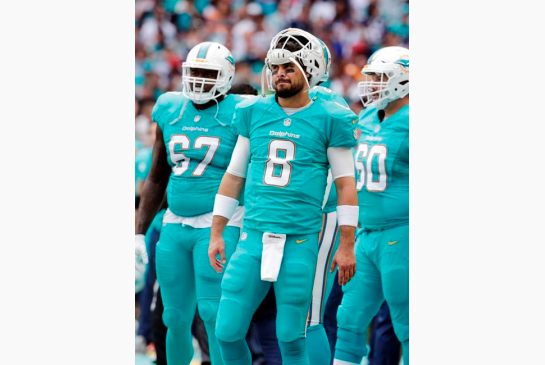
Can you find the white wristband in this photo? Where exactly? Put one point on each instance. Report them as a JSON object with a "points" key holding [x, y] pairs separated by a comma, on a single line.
{"points": [[225, 206], [347, 215]]}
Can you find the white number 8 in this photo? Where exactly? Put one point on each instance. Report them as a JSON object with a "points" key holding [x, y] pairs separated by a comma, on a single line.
{"points": [[284, 162]]}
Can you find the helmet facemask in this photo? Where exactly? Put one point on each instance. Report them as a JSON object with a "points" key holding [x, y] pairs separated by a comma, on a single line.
{"points": [[208, 72], [386, 77], [373, 90], [380, 87], [201, 82], [300, 48]]}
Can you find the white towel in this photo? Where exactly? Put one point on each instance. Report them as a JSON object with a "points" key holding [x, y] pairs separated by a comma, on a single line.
{"points": [[271, 257]]}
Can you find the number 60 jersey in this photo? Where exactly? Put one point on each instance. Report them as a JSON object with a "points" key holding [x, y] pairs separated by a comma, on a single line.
{"points": [[382, 165], [199, 145], [287, 174]]}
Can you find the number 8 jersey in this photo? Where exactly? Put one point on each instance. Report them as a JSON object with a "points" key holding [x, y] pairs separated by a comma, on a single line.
{"points": [[199, 145], [287, 173], [382, 164]]}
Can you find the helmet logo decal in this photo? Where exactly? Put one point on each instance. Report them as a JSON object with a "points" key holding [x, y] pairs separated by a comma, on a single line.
{"points": [[403, 62], [230, 59], [203, 50]]}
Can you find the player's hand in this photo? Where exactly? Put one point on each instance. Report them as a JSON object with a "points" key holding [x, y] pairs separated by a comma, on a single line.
{"points": [[216, 248], [140, 249], [345, 260]]}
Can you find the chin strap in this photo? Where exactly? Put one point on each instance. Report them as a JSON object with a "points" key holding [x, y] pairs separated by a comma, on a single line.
{"points": [[217, 111]]}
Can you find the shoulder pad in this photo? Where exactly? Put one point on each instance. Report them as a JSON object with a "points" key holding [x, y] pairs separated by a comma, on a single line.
{"points": [[249, 100], [170, 97]]}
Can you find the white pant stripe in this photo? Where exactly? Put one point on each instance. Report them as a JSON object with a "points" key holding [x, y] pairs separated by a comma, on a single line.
{"points": [[322, 269]]}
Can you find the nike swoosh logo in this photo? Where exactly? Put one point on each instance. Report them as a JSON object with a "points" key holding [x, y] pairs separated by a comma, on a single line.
{"points": [[300, 241], [392, 242]]}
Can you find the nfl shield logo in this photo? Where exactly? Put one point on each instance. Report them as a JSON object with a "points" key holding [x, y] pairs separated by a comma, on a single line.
{"points": [[197, 118], [287, 122]]}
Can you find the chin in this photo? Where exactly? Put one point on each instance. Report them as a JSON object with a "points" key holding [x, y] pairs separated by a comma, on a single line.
{"points": [[287, 91], [284, 93]]}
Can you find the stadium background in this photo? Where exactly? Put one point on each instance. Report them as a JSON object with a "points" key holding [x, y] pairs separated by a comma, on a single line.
{"points": [[166, 30]]}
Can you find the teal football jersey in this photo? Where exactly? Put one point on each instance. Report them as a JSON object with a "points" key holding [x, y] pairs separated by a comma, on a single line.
{"points": [[287, 173], [199, 145], [323, 93], [382, 164], [142, 163]]}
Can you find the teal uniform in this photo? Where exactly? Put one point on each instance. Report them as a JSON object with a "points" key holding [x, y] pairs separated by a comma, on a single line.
{"points": [[199, 144], [199, 147], [382, 247], [288, 171], [142, 167], [317, 342], [285, 187]]}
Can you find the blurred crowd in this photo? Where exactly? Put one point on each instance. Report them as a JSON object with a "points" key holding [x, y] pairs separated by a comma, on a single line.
{"points": [[165, 31]]}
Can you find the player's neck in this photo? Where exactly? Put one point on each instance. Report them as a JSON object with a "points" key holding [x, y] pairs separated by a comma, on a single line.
{"points": [[394, 106], [208, 104], [298, 100]]}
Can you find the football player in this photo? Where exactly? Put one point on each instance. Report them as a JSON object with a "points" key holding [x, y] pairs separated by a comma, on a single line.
{"points": [[193, 146], [382, 248], [286, 143]]}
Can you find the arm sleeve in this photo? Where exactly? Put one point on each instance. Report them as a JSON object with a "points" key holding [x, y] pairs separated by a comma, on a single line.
{"points": [[341, 161], [240, 157]]}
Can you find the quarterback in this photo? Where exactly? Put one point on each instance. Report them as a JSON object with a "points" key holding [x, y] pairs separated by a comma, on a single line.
{"points": [[286, 143]]}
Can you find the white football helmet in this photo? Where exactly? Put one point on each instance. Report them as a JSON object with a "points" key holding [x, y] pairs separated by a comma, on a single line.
{"points": [[198, 86], [327, 61], [386, 77], [310, 53]]}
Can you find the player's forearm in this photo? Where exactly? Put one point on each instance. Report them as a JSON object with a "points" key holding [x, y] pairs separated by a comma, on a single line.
{"points": [[154, 186], [225, 203], [152, 196], [231, 186], [218, 225], [346, 191], [347, 211], [348, 237]]}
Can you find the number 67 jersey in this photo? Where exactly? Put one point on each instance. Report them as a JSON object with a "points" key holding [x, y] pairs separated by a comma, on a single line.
{"points": [[382, 164], [199, 145], [287, 174]]}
